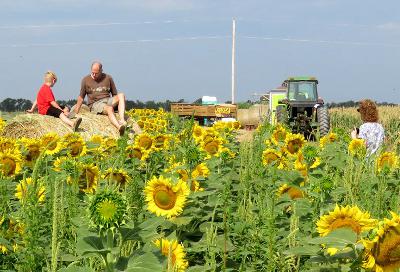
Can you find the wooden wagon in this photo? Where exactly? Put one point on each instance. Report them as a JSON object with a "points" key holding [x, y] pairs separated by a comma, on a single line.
{"points": [[204, 113]]}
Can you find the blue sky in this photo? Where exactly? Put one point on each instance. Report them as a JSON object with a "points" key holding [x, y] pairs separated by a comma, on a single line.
{"points": [[172, 49]]}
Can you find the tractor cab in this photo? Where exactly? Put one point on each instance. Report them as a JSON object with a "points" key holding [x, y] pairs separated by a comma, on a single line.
{"points": [[302, 109]]}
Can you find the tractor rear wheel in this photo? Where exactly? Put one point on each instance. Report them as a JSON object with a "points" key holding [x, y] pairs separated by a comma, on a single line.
{"points": [[281, 114], [323, 120]]}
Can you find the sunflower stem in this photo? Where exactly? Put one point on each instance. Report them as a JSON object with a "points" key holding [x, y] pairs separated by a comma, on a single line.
{"points": [[54, 242]]}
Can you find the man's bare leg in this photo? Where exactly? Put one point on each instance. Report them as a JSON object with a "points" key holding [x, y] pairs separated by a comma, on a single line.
{"points": [[110, 112], [120, 100]]}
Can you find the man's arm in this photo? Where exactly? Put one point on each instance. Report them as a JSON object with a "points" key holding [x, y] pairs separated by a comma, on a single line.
{"points": [[79, 102], [81, 97], [33, 107], [113, 89]]}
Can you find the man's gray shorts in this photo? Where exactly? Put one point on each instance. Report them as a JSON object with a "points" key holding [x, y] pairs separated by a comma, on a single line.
{"points": [[98, 106]]}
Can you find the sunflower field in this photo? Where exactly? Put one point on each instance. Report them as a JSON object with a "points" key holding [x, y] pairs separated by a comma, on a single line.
{"points": [[181, 197]]}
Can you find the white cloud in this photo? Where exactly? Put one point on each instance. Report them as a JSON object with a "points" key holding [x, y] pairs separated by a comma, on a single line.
{"points": [[149, 5]]}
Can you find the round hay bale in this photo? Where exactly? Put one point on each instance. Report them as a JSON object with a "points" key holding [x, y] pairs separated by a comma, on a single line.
{"points": [[36, 125], [243, 116]]}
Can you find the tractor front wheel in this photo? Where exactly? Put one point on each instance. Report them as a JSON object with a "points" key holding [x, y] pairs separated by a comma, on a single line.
{"points": [[323, 121]]}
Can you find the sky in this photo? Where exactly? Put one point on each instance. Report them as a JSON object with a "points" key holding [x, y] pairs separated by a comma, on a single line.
{"points": [[181, 49]]}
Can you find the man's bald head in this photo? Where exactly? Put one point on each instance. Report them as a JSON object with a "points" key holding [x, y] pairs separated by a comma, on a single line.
{"points": [[96, 70]]}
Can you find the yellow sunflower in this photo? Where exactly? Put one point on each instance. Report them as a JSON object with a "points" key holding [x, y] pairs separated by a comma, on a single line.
{"points": [[108, 144], [212, 147], [316, 163], [301, 167], [330, 138], [294, 143], [164, 198], [382, 253], [32, 149], [175, 254], [58, 163], [357, 147], [75, 145], [136, 152], [161, 141], [195, 186], [198, 133], [2, 124], [51, 143], [387, 160], [292, 191], [278, 135], [345, 217], [7, 144], [201, 170], [87, 179], [10, 162], [270, 155], [120, 176], [97, 139], [144, 141], [21, 191]]}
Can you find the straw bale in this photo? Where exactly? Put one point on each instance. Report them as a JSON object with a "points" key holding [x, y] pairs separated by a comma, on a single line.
{"points": [[36, 125]]}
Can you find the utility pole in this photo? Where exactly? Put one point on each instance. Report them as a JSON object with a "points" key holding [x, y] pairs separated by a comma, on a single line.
{"points": [[233, 60]]}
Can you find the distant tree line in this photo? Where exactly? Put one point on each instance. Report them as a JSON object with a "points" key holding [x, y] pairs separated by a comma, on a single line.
{"points": [[20, 104], [351, 103]]}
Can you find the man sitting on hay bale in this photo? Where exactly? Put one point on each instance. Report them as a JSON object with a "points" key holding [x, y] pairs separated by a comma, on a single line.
{"points": [[102, 96]]}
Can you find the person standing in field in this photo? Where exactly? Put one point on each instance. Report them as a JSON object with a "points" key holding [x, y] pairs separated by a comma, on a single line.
{"points": [[371, 131], [47, 105], [102, 96]]}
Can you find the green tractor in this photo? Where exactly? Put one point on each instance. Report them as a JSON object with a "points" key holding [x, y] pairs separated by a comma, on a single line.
{"points": [[302, 110]]}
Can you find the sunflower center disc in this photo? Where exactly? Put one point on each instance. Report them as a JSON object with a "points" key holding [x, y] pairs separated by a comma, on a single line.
{"points": [[165, 199], [9, 166]]}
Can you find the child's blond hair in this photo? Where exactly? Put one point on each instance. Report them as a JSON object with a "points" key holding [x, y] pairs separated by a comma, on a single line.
{"points": [[49, 76]]}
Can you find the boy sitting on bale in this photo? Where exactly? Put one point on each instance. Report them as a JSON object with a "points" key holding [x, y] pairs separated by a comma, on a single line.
{"points": [[47, 104]]}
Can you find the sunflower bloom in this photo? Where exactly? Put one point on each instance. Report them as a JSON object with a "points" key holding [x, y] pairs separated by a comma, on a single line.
{"points": [[10, 162], [294, 143], [136, 152], [270, 156], [7, 144], [32, 149], [345, 217], [382, 253], [316, 163], [213, 147], [144, 141], [120, 176], [175, 254], [21, 191], [107, 209], [386, 161], [357, 148], [200, 170], [278, 135], [2, 124], [291, 191], [164, 198], [51, 143], [330, 138], [76, 146], [87, 178]]}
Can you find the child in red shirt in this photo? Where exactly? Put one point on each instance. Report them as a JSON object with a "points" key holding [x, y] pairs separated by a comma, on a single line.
{"points": [[47, 104]]}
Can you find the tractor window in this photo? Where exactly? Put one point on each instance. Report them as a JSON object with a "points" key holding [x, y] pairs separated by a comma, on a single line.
{"points": [[302, 91]]}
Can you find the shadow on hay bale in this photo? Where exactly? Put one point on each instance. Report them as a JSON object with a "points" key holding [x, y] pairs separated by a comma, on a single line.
{"points": [[36, 125]]}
